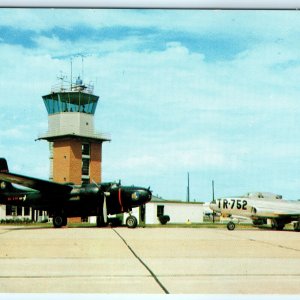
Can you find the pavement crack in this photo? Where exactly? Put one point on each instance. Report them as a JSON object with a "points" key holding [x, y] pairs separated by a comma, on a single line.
{"points": [[143, 263], [266, 243], [274, 245]]}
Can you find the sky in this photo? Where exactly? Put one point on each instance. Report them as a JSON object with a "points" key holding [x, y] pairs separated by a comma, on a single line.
{"points": [[212, 93]]}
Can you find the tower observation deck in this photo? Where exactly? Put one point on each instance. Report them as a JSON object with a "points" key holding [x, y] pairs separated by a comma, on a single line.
{"points": [[71, 110], [75, 146]]}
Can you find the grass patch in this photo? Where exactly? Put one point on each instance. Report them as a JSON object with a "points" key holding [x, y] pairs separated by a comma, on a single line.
{"points": [[242, 226]]}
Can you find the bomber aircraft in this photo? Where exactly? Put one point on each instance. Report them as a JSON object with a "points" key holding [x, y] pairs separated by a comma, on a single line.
{"points": [[259, 207], [67, 200]]}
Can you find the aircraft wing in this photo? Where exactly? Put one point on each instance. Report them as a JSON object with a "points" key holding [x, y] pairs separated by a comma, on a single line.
{"points": [[44, 186]]}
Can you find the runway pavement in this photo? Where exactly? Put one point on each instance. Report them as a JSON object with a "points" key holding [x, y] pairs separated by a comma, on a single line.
{"points": [[149, 261]]}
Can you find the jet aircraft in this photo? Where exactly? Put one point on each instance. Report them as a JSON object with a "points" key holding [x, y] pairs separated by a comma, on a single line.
{"points": [[260, 207], [67, 200]]}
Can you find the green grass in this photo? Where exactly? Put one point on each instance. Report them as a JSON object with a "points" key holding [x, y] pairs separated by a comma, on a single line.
{"points": [[242, 226]]}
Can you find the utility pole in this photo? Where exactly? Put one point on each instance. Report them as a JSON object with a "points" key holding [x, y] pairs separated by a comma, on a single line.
{"points": [[213, 198], [213, 190], [188, 187]]}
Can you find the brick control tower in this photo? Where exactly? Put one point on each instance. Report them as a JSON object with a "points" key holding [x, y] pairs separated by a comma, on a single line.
{"points": [[75, 147]]}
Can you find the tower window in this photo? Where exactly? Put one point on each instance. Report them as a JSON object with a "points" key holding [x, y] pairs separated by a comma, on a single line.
{"points": [[85, 166], [85, 149]]}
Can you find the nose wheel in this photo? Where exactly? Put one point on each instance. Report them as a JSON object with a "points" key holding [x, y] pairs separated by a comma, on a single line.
{"points": [[59, 221], [230, 225], [131, 222]]}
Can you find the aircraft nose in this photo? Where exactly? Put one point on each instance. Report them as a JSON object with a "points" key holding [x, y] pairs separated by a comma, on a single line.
{"points": [[141, 196]]}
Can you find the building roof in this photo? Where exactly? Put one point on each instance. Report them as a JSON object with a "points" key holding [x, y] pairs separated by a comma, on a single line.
{"points": [[93, 137], [161, 200]]}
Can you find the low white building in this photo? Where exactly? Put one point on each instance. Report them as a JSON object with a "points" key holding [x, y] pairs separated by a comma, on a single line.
{"points": [[8, 212], [178, 211]]}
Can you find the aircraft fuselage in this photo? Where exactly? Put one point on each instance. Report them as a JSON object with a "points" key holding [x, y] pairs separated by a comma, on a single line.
{"points": [[279, 211], [82, 201]]}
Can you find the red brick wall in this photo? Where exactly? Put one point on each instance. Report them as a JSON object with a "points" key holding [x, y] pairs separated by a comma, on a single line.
{"points": [[67, 164], [96, 162], [67, 161]]}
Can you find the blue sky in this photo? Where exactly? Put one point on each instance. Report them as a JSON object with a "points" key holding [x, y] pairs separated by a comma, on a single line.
{"points": [[209, 92]]}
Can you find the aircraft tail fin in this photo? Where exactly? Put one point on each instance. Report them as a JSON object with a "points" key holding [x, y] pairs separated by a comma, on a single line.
{"points": [[4, 185], [3, 165]]}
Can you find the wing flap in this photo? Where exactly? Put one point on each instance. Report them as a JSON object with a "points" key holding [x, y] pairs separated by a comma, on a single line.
{"points": [[44, 186]]}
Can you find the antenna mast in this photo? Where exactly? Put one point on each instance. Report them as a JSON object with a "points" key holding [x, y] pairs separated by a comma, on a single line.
{"points": [[188, 187], [82, 66], [71, 72], [213, 198]]}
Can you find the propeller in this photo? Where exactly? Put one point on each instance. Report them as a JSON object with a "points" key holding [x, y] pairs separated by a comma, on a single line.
{"points": [[104, 207]]}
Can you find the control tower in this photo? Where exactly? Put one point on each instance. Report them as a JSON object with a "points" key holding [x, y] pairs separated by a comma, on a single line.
{"points": [[75, 146]]}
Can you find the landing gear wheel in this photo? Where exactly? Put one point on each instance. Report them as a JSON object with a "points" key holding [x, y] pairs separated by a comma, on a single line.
{"points": [[277, 225], [131, 222], [230, 226], [59, 221], [100, 221]]}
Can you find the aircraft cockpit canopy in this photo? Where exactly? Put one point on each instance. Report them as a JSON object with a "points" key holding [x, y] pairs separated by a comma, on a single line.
{"points": [[263, 195]]}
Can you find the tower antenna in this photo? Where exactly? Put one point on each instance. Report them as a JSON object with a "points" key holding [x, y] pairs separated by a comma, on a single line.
{"points": [[61, 78], [82, 66], [71, 71]]}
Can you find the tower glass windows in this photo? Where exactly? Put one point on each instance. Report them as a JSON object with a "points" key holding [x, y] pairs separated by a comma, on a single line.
{"points": [[70, 102]]}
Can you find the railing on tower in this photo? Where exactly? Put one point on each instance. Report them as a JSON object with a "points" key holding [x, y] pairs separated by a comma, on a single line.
{"points": [[65, 86]]}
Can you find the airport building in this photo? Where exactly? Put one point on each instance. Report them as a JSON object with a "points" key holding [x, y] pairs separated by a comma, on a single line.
{"points": [[9, 212], [75, 146], [179, 212]]}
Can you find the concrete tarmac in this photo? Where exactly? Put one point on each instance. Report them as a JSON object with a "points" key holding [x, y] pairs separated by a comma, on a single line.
{"points": [[149, 261]]}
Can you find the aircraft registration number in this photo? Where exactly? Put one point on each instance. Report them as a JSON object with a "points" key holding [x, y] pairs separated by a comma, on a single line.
{"points": [[232, 203], [16, 198]]}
